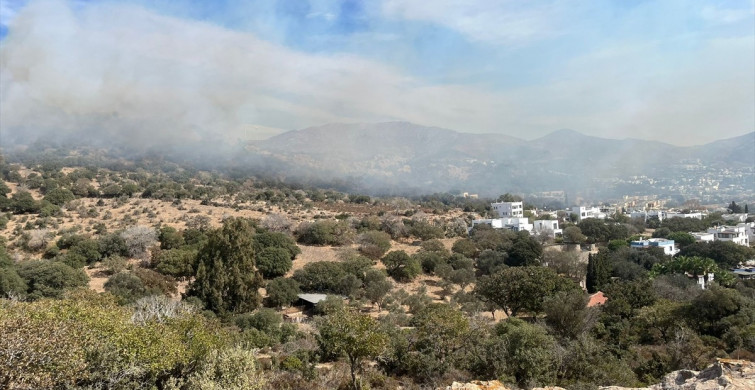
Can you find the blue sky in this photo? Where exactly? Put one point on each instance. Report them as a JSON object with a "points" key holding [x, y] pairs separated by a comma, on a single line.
{"points": [[678, 71]]}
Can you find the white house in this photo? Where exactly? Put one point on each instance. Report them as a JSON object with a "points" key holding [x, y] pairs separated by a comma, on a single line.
{"points": [[703, 236], [667, 245], [735, 234], [645, 214], [547, 225], [749, 229], [509, 209], [587, 212], [515, 224], [735, 217], [677, 214]]}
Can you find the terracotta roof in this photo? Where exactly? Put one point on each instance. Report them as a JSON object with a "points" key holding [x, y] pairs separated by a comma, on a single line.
{"points": [[597, 299]]}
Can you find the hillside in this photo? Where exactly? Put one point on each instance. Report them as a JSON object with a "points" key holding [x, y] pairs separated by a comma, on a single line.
{"points": [[400, 157]]}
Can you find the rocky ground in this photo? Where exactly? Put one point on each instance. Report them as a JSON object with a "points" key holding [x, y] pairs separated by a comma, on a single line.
{"points": [[725, 374]]}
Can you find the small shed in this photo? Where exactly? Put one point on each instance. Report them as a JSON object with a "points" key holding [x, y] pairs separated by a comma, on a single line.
{"points": [[309, 301]]}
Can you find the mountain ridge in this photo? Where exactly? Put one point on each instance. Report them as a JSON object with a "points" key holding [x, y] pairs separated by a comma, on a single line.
{"points": [[397, 157]]}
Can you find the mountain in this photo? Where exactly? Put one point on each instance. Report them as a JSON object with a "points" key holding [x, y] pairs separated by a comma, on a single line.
{"points": [[404, 158]]}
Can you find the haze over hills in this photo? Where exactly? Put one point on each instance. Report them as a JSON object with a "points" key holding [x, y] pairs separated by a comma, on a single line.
{"points": [[401, 157]]}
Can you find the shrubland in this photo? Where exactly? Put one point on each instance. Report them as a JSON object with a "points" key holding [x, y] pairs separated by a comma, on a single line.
{"points": [[147, 274]]}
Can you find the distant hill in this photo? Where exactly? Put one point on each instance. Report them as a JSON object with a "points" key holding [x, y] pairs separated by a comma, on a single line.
{"points": [[401, 157]]}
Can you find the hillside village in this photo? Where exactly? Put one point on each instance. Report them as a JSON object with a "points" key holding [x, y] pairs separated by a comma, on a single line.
{"points": [[424, 276]]}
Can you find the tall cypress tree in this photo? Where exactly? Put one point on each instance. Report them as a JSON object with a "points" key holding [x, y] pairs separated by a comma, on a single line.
{"points": [[598, 272], [227, 278]]}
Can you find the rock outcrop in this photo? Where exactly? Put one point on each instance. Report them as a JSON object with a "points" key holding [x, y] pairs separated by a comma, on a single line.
{"points": [[725, 374]]}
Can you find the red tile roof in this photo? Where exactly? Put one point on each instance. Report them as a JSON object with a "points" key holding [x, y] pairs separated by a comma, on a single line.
{"points": [[597, 299]]}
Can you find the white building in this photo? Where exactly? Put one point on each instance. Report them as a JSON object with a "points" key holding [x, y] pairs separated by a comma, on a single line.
{"points": [[587, 212], [547, 225], [735, 217], [703, 236], [668, 246], [677, 214], [749, 229], [509, 209], [515, 224], [646, 214], [735, 234]]}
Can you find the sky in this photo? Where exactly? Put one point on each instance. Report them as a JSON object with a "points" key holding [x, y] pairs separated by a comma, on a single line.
{"points": [[161, 71]]}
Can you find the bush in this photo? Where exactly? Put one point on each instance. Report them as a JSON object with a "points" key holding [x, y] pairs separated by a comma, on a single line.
{"points": [[138, 239], [11, 284], [86, 341], [264, 240], [265, 320], [59, 196], [127, 287], [400, 266], [326, 233], [228, 369], [114, 264], [430, 261], [178, 263], [465, 247], [156, 282], [374, 244], [282, 291], [321, 276], [273, 262], [88, 249], [170, 238], [112, 245], [426, 231], [48, 279]]}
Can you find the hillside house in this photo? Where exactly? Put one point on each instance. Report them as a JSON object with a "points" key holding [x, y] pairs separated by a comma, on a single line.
{"points": [[735, 234], [515, 224], [703, 236], [587, 212], [508, 209], [547, 225], [668, 246]]}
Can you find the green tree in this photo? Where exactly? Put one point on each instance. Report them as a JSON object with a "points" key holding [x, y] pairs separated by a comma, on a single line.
{"points": [[598, 272], [48, 279], [525, 251], [59, 196], [268, 239], [466, 247], [567, 313], [178, 263], [169, 238], [282, 291], [352, 334], [439, 333], [734, 208], [401, 266], [573, 235], [374, 244], [523, 352], [425, 231], [376, 286], [682, 239], [22, 202], [11, 284], [273, 262], [227, 278], [321, 276], [521, 288]]}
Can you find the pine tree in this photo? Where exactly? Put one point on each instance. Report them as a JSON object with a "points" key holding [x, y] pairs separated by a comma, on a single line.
{"points": [[227, 278], [747, 211]]}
